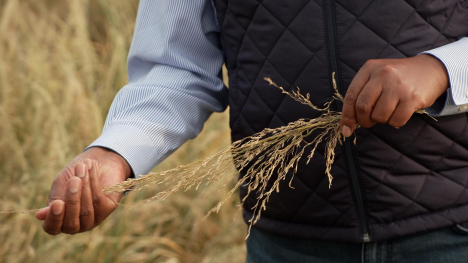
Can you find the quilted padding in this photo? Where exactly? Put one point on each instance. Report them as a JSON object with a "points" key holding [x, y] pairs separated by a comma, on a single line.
{"points": [[412, 179]]}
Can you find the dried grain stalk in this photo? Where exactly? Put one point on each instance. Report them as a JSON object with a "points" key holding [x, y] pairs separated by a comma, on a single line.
{"points": [[264, 157]]}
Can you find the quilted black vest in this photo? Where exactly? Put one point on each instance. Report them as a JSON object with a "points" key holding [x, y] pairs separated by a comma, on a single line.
{"points": [[393, 182]]}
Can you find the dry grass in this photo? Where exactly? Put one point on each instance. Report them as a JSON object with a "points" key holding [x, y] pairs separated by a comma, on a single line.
{"points": [[61, 64], [263, 157]]}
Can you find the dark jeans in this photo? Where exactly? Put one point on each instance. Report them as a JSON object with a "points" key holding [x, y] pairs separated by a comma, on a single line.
{"points": [[447, 245]]}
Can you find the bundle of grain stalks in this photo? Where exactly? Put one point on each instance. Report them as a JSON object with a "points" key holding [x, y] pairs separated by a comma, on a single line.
{"points": [[267, 155], [262, 157]]}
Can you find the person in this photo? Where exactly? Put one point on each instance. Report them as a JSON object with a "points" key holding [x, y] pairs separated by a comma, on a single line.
{"points": [[398, 195]]}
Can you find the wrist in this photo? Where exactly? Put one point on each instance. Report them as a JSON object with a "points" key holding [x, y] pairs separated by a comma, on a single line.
{"points": [[437, 70], [105, 154]]}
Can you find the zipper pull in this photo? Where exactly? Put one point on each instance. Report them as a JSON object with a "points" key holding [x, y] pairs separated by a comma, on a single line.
{"points": [[366, 238]]}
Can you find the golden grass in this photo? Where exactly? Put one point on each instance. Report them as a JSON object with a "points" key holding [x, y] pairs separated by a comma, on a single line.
{"points": [[61, 64], [264, 157]]}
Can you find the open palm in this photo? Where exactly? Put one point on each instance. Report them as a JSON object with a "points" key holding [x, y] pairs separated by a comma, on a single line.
{"points": [[76, 200]]}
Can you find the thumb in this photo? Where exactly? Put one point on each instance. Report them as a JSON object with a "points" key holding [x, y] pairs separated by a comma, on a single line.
{"points": [[348, 117], [41, 214]]}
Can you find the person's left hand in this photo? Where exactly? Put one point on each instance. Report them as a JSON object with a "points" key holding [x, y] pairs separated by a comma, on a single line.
{"points": [[391, 90]]}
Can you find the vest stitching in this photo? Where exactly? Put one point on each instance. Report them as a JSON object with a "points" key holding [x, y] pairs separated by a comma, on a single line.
{"points": [[314, 191], [429, 21], [425, 179], [446, 23], [272, 65], [388, 44], [451, 146], [440, 159], [454, 143], [464, 4], [356, 17], [416, 162], [399, 158], [287, 28], [458, 198], [386, 226], [343, 213], [294, 19], [263, 101], [448, 137], [266, 57], [375, 33], [318, 50], [394, 34], [362, 12], [427, 210], [420, 164], [339, 218], [406, 20], [365, 137], [239, 24]]}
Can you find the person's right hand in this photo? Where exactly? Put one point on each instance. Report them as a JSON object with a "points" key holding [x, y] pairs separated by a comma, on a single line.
{"points": [[76, 201]]}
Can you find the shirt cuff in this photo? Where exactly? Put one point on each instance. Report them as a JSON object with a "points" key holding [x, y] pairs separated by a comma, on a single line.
{"points": [[132, 144], [445, 106], [454, 56]]}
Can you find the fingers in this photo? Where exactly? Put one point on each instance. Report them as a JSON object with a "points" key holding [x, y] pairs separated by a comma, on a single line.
{"points": [[366, 102], [348, 115], [59, 185], [402, 114], [385, 106], [86, 211], [381, 92], [53, 221], [71, 221], [42, 214], [78, 212], [97, 196]]}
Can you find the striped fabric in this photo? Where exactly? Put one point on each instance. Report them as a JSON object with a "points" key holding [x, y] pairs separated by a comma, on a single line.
{"points": [[455, 58], [174, 69]]}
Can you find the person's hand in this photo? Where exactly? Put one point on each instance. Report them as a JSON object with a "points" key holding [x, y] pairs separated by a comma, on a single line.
{"points": [[76, 201], [391, 90]]}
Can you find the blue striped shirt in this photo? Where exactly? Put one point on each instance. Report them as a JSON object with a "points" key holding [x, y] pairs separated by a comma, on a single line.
{"points": [[175, 83]]}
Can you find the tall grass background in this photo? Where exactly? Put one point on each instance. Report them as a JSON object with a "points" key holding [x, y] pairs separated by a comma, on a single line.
{"points": [[61, 64]]}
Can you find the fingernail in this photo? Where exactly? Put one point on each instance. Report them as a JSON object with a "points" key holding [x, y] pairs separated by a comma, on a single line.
{"points": [[81, 170], [58, 208], [346, 131], [44, 208], [74, 184]]}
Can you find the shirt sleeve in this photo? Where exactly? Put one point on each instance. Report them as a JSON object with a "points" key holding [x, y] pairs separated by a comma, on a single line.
{"points": [[455, 58], [174, 69]]}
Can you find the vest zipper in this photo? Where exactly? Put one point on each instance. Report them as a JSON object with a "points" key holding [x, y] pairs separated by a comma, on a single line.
{"points": [[349, 152]]}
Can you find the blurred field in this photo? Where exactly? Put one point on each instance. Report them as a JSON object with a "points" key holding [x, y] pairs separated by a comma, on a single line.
{"points": [[61, 64]]}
